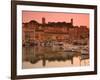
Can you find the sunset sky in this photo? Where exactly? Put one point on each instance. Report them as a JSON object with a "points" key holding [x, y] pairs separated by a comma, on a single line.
{"points": [[78, 19]]}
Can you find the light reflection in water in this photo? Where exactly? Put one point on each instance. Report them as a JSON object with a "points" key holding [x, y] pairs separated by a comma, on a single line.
{"points": [[39, 57]]}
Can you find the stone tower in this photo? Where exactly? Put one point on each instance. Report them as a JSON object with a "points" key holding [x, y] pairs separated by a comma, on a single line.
{"points": [[43, 20]]}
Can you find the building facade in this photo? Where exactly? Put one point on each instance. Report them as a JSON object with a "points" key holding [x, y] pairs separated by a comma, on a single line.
{"points": [[34, 32]]}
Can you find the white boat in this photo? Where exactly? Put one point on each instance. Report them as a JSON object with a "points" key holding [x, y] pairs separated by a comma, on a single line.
{"points": [[84, 52]]}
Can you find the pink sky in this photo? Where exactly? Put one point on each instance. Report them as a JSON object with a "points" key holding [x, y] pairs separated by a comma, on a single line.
{"points": [[78, 19]]}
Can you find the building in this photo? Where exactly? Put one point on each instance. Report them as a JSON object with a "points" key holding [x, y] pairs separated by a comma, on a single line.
{"points": [[34, 32]]}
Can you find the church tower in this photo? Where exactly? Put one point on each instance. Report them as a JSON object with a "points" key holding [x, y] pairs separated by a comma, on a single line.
{"points": [[72, 21]]}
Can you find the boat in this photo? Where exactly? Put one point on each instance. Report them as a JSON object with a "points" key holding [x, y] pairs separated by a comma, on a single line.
{"points": [[84, 52]]}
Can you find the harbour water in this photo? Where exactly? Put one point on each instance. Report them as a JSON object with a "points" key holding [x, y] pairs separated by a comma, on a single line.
{"points": [[67, 63], [57, 56]]}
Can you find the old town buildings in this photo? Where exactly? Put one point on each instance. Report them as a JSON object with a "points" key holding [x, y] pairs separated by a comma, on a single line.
{"points": [[36, 33]]}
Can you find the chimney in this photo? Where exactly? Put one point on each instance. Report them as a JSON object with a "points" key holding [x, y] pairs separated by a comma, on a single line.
{"points": [[43, 20], [72, 21]]}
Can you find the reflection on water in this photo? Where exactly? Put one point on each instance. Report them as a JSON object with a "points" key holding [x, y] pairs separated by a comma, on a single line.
{"points": [[55, 56]]}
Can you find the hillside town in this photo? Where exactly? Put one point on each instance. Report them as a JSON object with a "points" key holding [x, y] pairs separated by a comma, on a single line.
{"points": [[54, 32]]}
